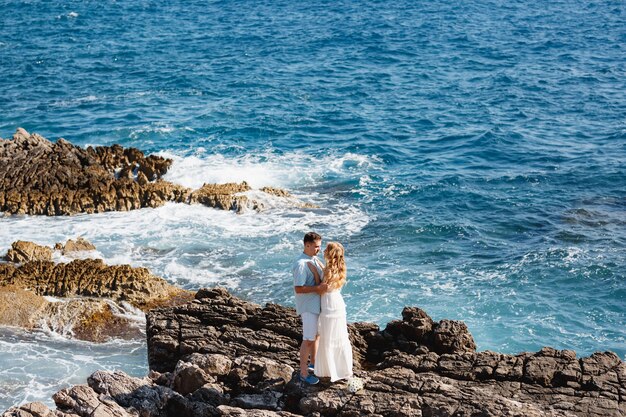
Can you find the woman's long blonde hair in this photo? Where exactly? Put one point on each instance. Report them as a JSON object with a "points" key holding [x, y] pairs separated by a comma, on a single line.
{"points": [[335, 270]]}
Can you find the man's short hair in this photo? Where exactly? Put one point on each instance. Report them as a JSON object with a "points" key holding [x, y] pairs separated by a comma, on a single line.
{"points": [[311, 237]]}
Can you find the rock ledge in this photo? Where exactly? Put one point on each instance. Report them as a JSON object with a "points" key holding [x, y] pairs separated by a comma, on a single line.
{"points": [[223, 356], [38, 177], [92, 297]]}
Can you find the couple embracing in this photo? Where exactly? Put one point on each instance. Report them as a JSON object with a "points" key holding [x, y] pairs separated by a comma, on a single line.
{"points": [[325, 349]]}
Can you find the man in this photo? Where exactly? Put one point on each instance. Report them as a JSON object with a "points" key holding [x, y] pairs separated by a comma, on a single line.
{"points": [[308, 302]]}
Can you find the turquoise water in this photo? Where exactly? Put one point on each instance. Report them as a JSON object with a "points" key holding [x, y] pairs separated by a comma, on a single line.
{"points": [[471, 157]]}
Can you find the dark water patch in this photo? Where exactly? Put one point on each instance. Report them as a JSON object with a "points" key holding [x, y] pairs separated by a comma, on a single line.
{"points": [[567, 236]]}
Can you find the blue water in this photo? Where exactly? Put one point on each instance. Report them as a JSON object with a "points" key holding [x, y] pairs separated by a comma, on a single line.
{"points": [[471, 156]]}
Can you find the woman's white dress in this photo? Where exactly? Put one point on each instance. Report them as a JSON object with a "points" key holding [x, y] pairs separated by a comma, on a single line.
{"points": [[334, 355]]}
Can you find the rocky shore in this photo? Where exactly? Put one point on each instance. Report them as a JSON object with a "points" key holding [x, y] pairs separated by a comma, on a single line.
{"points": [[39, 177], [90, 296], [219, 355]]}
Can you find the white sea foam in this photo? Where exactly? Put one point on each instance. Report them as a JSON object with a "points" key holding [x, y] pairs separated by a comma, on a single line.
{"points": [[573, 255], [291, 170], [445, 287], [35, 365], [474, 275], [127, 311], [76, 101], [193, 171], [162, 238], [59, 257], [284, 246], [152, 128], [218, 274], [70, 15], [352, 161], [429, 275]]}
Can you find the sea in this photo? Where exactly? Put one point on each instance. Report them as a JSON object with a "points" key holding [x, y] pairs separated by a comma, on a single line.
{"points": [[469, 155]]}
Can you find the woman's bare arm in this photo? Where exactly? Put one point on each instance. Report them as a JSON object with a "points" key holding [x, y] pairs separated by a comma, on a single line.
{"points": [[316, 274]]}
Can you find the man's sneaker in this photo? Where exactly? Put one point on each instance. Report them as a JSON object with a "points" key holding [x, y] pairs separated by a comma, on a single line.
{"points": [[311, 368], [310, 379]]}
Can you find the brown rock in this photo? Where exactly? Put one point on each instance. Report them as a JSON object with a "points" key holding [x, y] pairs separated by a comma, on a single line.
{"points": [[417, 331], [452, 336], [85, 402], [414, 382], [77, 245], [511, 367], [218, 324], [485, 364], [238, 412], [40, 177], [419, 363], [138, 395], [188, 377], [92, 278], [115, 384], [268, 400], [213, 364], [27, 251], [252, 375], [159, 192], [278, 192], [20, 307], [96, 321], [211, 393], [35, 409], [223, 196], [550, 367], [459, 366], [261, 382], [142, 179], [84, 318]]}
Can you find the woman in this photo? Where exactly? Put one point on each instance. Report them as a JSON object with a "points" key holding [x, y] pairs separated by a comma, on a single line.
{"points": [[334, 355]]}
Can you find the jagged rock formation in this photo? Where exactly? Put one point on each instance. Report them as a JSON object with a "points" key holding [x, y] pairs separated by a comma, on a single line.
{"points": [[92, 278], [90, 319], [20, 307], [421, 365], [93, 293], [22, 251], [223, 196], [40, 177], [220, 355], [93, 320], [44, 178], [77, 245], [217, 322], [276, 191]]}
